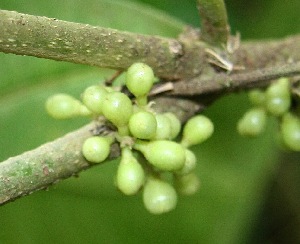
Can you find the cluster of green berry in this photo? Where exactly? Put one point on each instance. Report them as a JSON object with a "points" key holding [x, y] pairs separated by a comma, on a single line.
{"points": [[275, 101], [148, 150]]}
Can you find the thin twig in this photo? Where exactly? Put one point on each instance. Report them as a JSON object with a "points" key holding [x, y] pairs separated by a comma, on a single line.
{"points": [[215, 28], [225, 83]]}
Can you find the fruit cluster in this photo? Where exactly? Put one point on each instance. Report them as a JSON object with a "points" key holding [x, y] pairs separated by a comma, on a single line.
{"points": [[148, 150], [276, 101]]}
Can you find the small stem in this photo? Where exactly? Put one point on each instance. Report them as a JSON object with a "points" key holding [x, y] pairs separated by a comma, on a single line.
{"points": [[126, 154], [110, 138], [215, 28], [123, 130], [140, 145], [185, 143], [142, 101], [84, 111]]}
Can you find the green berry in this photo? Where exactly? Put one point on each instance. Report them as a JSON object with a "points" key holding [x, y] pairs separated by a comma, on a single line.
{"points": [[163, 130], [278, 97], [64, 106], [175, 124], [257, 97], [117, 108], [252, 123], [279, 87], [190, 163], [277, 106], [130, 174], [139, 79], [186, 184], [143, 125], [96, 149], [159, 196], [197, 130], [93, 98], [164, 155], [290, 131]]}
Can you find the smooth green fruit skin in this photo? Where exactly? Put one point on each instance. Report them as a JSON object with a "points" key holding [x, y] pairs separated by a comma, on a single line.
{"points": [[164, 155], [96, 149], [197, 130], [278, 88], [143, 125], [163, 130], [93, 98], [159, 197], [190, 163], [252, 123], [130, 176], [277, 106], [278, 98], [139, 79], [117, 108], [257, 97], [175, 125], [290, 131], [63, 106]]}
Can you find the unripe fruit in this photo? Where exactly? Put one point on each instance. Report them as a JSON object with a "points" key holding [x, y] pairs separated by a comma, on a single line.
{"points": [[190, 163], [277, 106], [159, 197], [252, 123], [290, 130], [130, 174], [64, 106], [117, 108], [175, 124], [197, 130], [93, 98], [257, 97], [186, 184], [279, 87], [278, 98], [164, 155], [96, 149], [142, 125], [139, 79], [163, 130]]}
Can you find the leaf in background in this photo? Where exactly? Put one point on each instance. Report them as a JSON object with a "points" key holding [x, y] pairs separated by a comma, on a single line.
{"points": [[88, 209], [264, 19]]}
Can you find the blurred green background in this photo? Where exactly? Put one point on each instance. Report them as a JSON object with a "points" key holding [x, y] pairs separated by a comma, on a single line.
{"points": [[250, 189]]}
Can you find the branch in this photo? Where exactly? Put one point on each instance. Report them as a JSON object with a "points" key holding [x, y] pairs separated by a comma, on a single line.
{"points": [[225, 83], [215, 28], [54, 161], [170, 58], [185, 60], [50, 38], [39, 168]]}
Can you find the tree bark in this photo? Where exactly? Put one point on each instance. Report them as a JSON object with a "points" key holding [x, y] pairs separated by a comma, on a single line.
{"points": [[196, 69]]}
